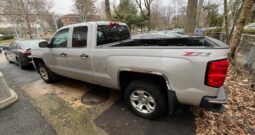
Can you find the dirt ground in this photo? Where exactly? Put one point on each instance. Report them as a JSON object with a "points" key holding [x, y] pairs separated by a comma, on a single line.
{"points": [[61, 105]]}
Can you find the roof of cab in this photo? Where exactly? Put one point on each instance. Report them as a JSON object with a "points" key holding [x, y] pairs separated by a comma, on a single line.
{"points": [[95, 22]]}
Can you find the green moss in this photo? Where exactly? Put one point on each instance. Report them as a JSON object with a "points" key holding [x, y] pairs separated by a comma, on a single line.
{"points": [[6, 42]]}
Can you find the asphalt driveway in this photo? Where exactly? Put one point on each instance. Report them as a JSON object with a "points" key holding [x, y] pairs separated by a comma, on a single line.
{"points": [[21, 118]]}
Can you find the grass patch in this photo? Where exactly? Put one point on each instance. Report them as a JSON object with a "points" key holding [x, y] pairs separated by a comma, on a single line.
{"points": [[6, 42]]}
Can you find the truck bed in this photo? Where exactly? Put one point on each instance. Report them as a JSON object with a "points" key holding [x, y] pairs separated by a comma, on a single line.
{"points": [[179, 42]]}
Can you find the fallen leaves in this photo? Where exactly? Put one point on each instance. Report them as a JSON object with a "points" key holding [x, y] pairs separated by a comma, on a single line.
{"points": [[239, 117]]}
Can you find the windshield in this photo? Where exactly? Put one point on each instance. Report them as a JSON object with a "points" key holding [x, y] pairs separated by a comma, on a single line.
{"points": [[29, 44], [109, 34]]}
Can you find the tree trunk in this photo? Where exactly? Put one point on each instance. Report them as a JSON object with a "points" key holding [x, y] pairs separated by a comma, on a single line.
{"points": [[247, 5], [107, 10], [27, 18], [226, 20], [199, 7], [29, 26], [191, 14]]}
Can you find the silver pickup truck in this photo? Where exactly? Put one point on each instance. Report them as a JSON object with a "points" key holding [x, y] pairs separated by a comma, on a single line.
{"points": [[153, 72]]}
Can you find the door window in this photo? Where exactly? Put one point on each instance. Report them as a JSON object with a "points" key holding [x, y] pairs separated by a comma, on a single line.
{"points": [[60, 39], [109, 34], [79, 38]]}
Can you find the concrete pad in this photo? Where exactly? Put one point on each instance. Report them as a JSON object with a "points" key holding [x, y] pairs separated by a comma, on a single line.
{"points": [[61, 106], [2, 58]]}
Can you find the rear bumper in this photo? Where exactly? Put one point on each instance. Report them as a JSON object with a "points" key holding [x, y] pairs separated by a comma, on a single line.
{"points": [[215, 103], [212, 103], [26, 60], [220, 99]]}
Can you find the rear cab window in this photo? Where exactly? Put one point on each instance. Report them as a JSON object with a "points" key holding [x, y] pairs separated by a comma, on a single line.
{"points": [[111, 33]]}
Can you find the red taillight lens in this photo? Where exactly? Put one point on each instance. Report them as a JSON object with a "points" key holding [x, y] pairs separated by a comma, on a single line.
{"points": [[26, 52], [216, 73]]}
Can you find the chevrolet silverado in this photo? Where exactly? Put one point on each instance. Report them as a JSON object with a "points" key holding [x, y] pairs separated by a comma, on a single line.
{"points": [[154, 72]]}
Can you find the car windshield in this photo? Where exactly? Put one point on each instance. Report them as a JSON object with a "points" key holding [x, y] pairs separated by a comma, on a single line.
{"points": [[29, 44]]}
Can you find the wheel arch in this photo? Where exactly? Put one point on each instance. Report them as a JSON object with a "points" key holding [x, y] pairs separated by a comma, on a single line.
{"points": [[126, 75], [36, 61], [124, 79]]}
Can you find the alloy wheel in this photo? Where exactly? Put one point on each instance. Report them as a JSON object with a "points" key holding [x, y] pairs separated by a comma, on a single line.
{"points": [[142, 101], [43, 73]]}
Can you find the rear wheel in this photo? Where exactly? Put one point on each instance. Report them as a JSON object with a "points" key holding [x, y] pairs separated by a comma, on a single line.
{"points": [[146, 99], [45, 73], [21, 65]]}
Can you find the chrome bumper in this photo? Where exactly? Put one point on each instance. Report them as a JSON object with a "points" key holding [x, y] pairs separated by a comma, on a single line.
{"points": [[215, 103], [220, 99]]}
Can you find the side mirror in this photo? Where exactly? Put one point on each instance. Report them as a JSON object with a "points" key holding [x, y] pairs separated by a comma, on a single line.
{"points": [[44, 44]]}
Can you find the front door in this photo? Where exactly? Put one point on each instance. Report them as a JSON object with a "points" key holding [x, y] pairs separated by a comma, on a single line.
{"points": [[79, 55], [56, 56]]}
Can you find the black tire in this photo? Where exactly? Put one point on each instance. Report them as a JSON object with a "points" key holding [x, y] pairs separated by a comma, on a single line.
{"points": [[51, 77], [21, 66], [154, 90]]}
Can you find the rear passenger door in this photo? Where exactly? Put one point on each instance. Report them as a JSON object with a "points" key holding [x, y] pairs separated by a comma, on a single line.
{"points": [[79, 54]]}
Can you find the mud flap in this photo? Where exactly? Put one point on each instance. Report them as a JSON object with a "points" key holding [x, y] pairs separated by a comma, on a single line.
{"points": [[172, 101]]}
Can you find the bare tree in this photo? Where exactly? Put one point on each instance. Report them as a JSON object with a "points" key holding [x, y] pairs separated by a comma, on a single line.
{"points": [[191, 14], [17, 11], [167, 15], [199, 9], [84, 8], [25, 7], [25, 14], [41, 8], [146, 13], [156, 18], [108, 14], [226, 20], [247, 5]]}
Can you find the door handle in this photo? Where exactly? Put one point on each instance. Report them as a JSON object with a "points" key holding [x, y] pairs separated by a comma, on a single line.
{"points": [[63, 54], [84, 56]]}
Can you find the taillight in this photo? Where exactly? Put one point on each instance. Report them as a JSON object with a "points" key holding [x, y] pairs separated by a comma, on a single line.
{"points": [[26, 52], [216, 73]]}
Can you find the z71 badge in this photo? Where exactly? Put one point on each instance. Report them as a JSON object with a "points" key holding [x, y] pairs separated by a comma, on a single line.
{"points": [[202, 54]]}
